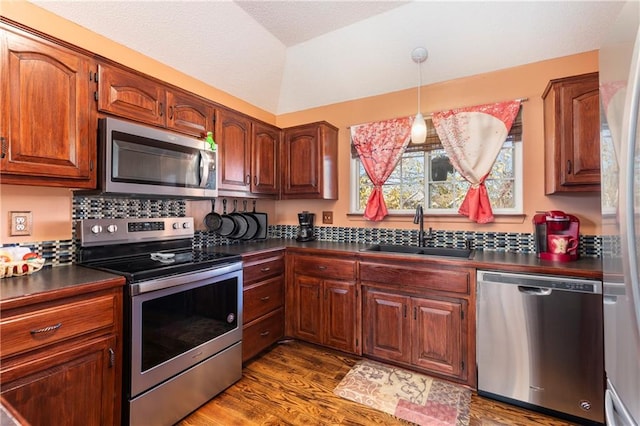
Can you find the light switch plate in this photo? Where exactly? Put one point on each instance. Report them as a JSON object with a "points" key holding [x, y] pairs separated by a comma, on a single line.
{"points": [[21, 223]]}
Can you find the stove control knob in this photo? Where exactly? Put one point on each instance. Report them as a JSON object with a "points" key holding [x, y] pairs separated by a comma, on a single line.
{"points": [[112, 229], [96, 229], [176, 225], [185, 225]]}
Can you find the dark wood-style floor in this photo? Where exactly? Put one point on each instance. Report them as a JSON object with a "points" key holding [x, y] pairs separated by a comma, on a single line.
{"points": [[293, 385]]}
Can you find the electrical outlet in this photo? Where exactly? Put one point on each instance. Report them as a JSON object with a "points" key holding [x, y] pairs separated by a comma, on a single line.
{"points": [[327, 218], [21, 223]]}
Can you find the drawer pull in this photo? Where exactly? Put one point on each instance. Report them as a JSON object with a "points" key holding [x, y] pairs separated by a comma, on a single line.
{"points": [[112, 358], [267, 269], [264, 333], [322, 268], [265, 298], [47, 329]]}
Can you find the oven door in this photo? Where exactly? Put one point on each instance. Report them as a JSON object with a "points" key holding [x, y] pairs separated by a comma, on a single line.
{"points": [[177, 327]]}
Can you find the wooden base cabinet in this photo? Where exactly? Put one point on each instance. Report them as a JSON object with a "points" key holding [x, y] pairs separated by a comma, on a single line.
{"points": [[421, 332], [420, 316], [323, 305], [263, 302], [62, 360]]}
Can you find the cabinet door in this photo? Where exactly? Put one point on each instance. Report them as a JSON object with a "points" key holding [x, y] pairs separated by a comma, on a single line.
{"points": [[264, 159], [308, 310], [387, 331], [340, 315], [437, 336], [130, 95], [581, 151], [233, 132], [302, 162], [47, 118], [572, 134], [189, 114], [76, 384]]}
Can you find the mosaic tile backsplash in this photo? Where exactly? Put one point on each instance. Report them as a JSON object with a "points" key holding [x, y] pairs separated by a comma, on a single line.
{"points": [[95, 207]]}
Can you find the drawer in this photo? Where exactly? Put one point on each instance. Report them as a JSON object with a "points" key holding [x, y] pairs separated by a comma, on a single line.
{"points": [[415, 277], [263, 297], [44, 327], [262, 333], [253, 272], [325, 267]]}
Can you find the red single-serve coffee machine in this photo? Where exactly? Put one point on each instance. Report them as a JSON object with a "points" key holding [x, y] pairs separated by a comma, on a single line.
{"points": [[557, 236]]}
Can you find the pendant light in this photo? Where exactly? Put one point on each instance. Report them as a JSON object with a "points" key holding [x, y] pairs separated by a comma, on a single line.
{"points": [[419, 127]]}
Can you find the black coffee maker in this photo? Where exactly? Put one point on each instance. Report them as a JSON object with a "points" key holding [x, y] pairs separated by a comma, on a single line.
{"points": [[305, 230]]}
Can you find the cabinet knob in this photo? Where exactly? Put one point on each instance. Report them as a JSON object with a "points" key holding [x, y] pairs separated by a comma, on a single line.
{"points": [[265, 269], [248, 180], [322, 268], [3, 147], [171, 113], [568, 167], [161, 110], [265, 298], [264, 333]]}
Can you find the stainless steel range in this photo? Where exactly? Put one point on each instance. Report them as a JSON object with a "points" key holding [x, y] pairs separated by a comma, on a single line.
{"points": [[183, 314]]}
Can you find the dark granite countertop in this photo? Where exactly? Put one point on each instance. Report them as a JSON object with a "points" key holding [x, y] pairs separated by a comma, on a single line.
{"points": [[63, 281], [493, 260], [54, 283]]}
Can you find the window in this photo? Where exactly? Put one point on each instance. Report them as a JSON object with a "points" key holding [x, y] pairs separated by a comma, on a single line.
{"points": [[425, 176]]}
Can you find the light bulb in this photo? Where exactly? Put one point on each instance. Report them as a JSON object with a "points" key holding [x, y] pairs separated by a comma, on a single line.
{"points": [[418, 129]]}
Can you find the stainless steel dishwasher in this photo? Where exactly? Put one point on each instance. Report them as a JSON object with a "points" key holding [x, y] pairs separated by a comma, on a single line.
{"points": [[540, 343]]}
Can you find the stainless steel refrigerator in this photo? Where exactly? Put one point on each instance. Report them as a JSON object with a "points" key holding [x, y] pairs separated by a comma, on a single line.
{"points": [[619, 70]]}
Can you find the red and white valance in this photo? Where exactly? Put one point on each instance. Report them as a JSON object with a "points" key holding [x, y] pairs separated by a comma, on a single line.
{"points": [[472, 138], [380, 145]]}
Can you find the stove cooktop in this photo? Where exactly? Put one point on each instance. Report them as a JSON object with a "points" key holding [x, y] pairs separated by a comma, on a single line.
{"points": [[145, 248], [162, 264]]}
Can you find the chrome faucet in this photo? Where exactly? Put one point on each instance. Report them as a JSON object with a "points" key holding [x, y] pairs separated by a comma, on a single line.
{"points": [[419, 219]]}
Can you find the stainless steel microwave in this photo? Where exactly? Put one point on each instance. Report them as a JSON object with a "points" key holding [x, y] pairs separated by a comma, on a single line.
{"points": [[138, 160]]}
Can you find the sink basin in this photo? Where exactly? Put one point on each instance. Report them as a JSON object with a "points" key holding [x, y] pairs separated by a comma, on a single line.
{"points": [[395, 249], [427, 251]]}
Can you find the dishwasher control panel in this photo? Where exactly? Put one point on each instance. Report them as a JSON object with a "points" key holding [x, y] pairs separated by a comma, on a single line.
{"points": [[542, 281]]}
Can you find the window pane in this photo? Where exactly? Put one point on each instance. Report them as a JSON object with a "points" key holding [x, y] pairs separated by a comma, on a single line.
{"points": [[501, 193], [503, 168], [441, 196]]}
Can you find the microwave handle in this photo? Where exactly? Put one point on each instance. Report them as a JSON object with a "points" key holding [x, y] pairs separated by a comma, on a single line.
{"points": [[205, 163]]}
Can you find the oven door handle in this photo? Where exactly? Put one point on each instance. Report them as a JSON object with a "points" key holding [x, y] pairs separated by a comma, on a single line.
{"points": [[181, 279]]}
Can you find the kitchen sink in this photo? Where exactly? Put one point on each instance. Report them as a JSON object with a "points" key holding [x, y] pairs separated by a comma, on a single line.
{"points": [[427, 251]]}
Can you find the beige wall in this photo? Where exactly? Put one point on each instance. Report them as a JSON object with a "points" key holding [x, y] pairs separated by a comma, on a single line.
{"points": [[527, 81], [50, 221]]}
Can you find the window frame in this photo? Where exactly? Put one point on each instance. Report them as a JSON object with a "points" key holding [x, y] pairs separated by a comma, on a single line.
{"points": [[518, 209]]}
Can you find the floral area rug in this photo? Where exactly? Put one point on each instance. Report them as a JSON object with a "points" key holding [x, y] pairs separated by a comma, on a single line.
{"points": [[405, 394]]}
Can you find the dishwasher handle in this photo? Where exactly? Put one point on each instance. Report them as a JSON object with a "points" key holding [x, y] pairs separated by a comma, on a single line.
{"points": [[534, 291]]}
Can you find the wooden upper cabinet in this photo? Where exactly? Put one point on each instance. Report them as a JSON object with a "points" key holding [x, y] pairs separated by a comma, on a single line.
{"points": [[137, 97], [265, 149], [130, 95], [47, 116], [572, 134], [189, 114], [233, 136], [310, 162]]}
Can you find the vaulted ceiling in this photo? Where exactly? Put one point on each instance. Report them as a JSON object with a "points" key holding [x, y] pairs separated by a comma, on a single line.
{"points": [[285, 56]]}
